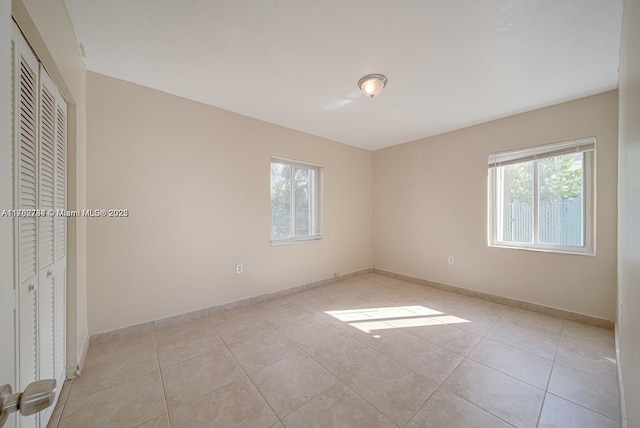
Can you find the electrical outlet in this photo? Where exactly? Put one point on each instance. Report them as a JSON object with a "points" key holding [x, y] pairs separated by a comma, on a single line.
{"points": [[239, 268], [451, 261]]}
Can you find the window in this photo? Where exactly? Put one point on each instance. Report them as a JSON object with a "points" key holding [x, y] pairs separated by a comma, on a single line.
{"points": [[541, 198], [295, 201]]}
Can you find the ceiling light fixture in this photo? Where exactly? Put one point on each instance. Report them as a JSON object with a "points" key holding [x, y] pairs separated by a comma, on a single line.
{"points": [[372, 84]]}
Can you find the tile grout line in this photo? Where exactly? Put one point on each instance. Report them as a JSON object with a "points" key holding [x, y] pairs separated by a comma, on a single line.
{"points": [[574, 368], [318, 394], [338, 332], [466, 357], [164, 392], [339, 380], [507, 374], [411, 369], [390, 357], [374, 406], [422, 405], [273, 327], [370, 403], [583, 406], [312, 398], [300, 349], [345, 333], [475, 405], [245, 373], [553, 365], [200, 355], [128, 379]]}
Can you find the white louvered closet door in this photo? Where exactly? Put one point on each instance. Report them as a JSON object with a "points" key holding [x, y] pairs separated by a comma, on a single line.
{"points": [[25, 97], [52, 234], [50, 278], [46, 248], [60, 242], [40, 134]]}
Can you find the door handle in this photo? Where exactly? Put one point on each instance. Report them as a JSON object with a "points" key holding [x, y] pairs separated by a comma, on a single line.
{"points": [[37, 396]]}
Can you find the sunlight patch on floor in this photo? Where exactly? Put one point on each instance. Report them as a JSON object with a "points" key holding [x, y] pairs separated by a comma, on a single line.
{"points": [[369, 320], [382, 313], [450, 319]]}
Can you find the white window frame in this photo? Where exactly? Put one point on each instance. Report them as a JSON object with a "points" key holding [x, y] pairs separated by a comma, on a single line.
{"points": [[315, 200], [587, 146]]}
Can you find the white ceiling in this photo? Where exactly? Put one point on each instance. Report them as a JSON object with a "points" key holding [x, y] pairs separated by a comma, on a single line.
{"points": [[296, 63]]}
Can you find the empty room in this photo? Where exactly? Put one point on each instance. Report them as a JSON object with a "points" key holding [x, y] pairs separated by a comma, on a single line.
{"points": [[281, 213]]}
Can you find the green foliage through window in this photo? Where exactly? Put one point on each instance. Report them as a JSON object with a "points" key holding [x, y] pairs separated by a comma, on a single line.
{"points": [[560, 177], [294, 201]]}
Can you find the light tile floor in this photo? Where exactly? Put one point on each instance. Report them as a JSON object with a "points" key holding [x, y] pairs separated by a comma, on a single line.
{"points": [[368, 352]]}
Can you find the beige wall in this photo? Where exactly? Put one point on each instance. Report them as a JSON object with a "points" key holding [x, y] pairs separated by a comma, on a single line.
{"points": [[196, 181], [47, 27], [430, 201], [629, 214]]}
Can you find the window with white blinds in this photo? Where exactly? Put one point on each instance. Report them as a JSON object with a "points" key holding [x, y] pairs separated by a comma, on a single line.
{"points": [[541, 198]]}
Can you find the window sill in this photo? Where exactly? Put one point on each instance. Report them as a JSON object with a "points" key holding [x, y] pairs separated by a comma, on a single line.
{"points": [[296, 240], [561, 250]]}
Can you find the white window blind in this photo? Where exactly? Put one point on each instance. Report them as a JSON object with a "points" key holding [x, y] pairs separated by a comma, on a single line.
{"points": [[541, 152]]}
